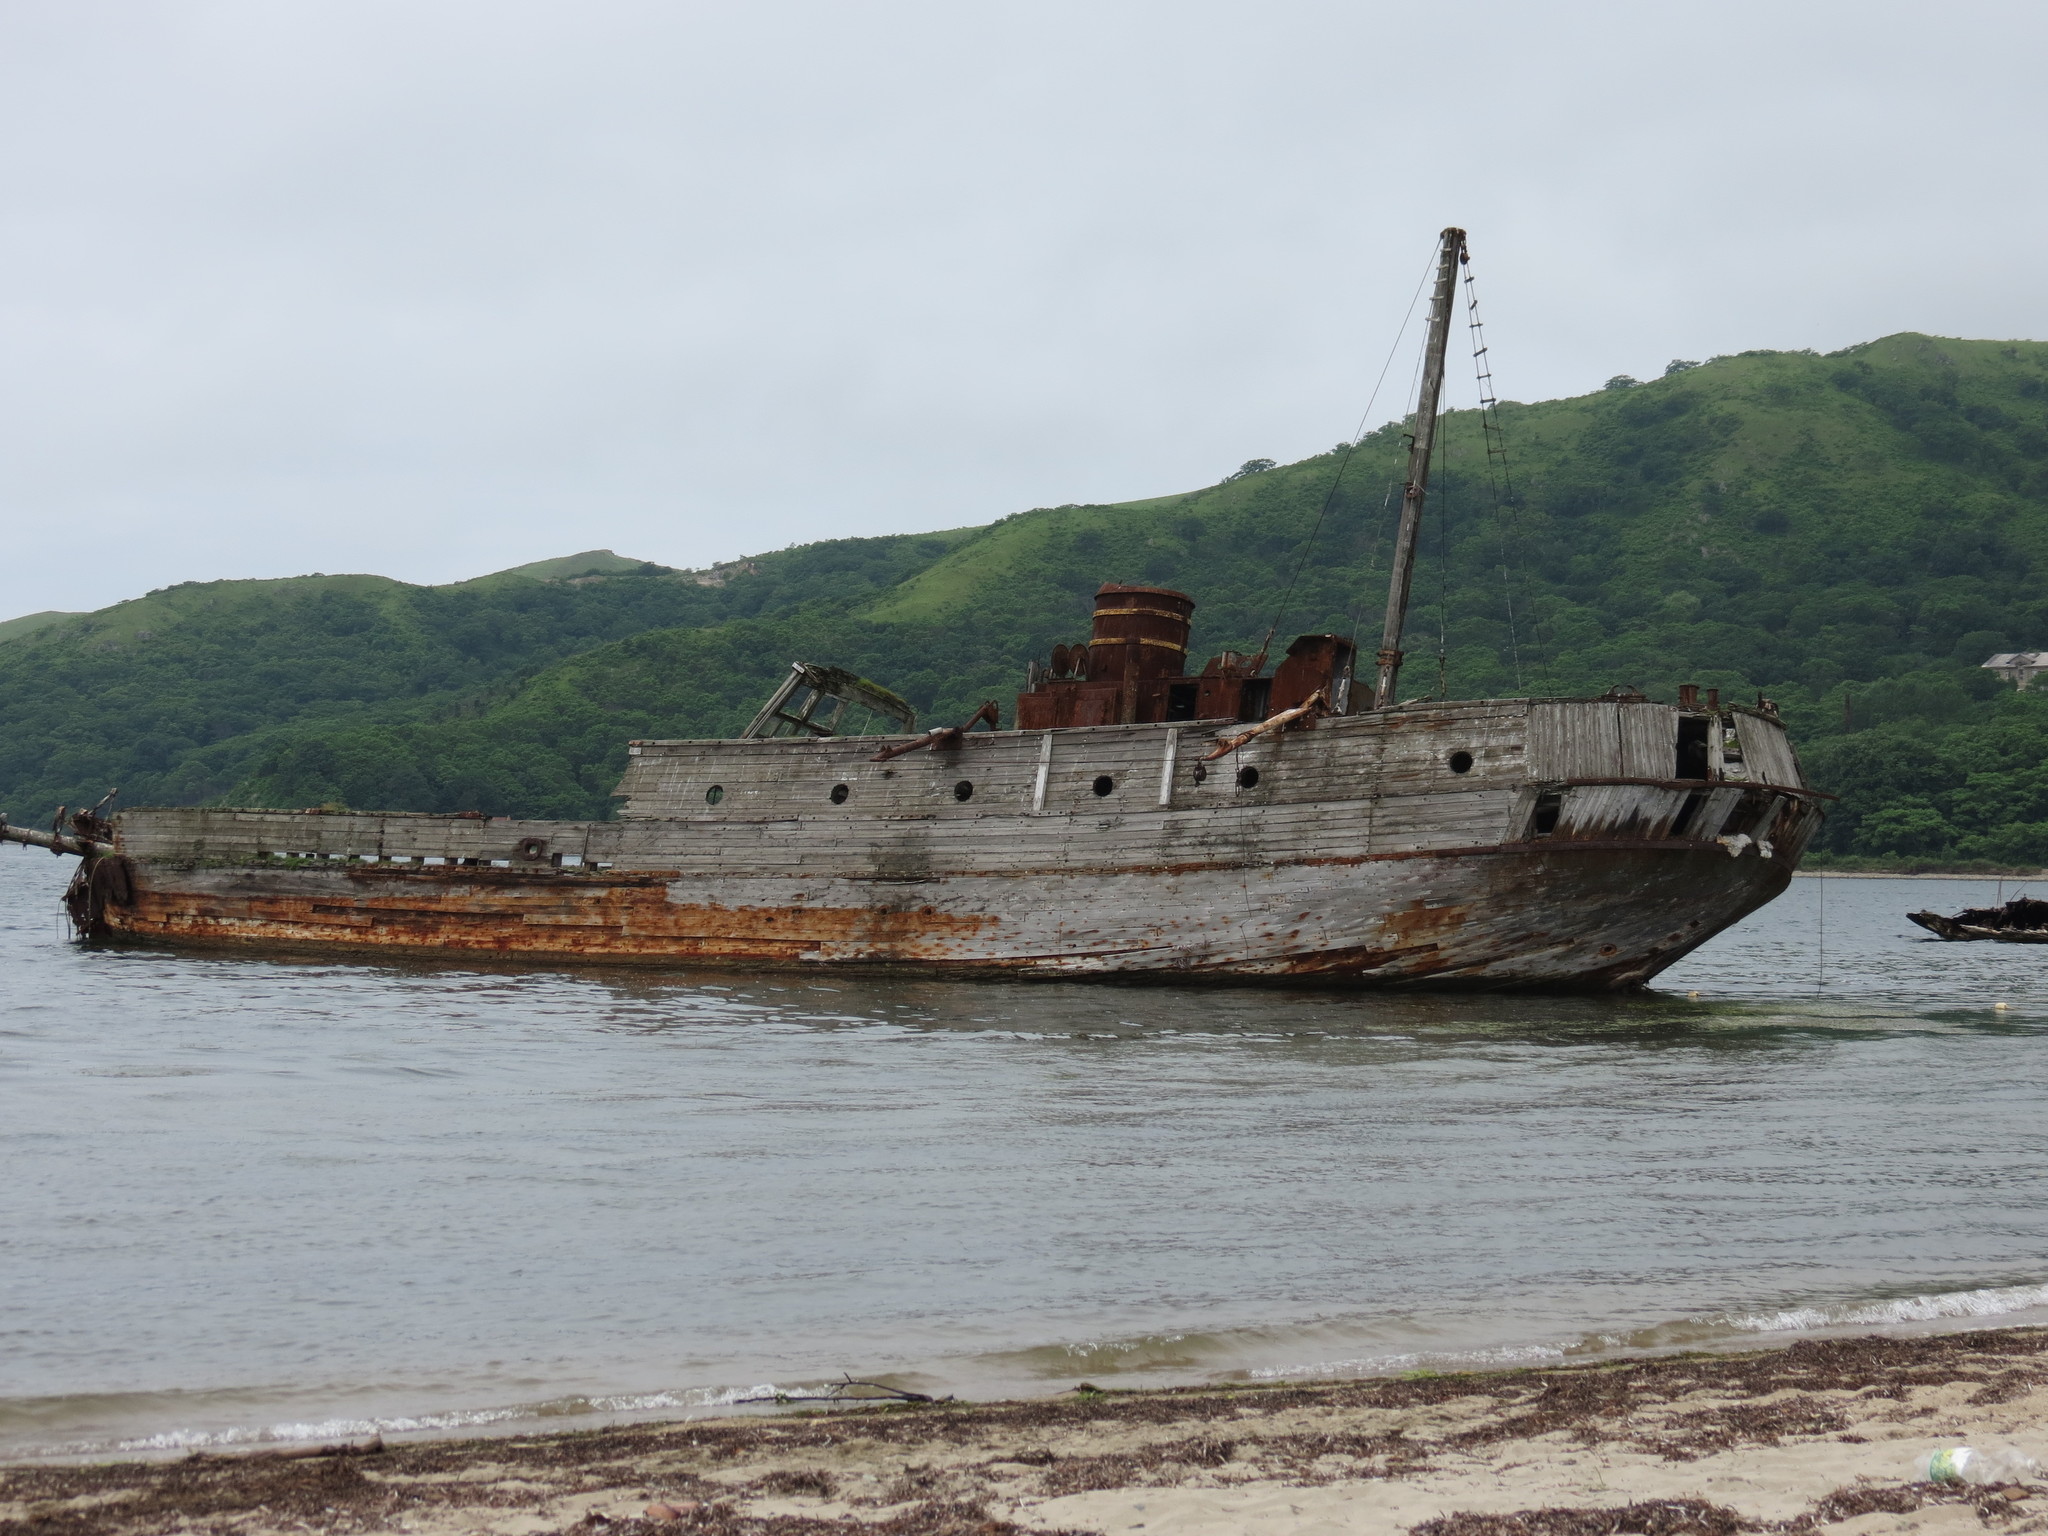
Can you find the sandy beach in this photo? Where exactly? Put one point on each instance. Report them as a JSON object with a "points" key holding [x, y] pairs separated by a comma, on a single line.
{"points": [[1820, 1436]]}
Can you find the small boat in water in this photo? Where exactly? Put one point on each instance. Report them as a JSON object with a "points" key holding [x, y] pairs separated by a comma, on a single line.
{"points": [[1138, 819], [2023, 920]]}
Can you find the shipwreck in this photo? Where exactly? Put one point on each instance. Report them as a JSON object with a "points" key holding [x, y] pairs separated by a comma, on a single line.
{"points": [[2023, 920], [1140, 818]]}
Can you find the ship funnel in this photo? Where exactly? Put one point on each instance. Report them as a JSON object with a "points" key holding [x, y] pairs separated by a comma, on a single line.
{"points": [[1140, 632]]}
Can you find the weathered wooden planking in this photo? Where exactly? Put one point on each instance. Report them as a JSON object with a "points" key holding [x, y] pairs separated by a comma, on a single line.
{"points": [[235, 835], [1575, 739], [1649, 741], [773, 779], [990, 842], [1766, 752], [1361, 785]]}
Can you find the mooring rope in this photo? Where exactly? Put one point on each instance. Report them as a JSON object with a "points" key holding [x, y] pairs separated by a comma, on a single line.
{"points": [[1820, 974]]}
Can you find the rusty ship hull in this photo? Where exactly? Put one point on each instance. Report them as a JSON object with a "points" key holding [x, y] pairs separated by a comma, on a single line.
{"points": [[1498, 844]]}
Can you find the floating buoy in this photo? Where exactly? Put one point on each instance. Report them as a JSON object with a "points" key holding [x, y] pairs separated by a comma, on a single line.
{"points": [[1695, 995], [2001, 1007]]}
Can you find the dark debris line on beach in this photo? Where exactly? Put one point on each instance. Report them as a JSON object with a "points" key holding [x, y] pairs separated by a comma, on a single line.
{"points": [[1614, 1403]]}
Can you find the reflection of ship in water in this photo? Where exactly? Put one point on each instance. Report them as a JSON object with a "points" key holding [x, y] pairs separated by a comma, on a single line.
{"points": [[1140, 820]]}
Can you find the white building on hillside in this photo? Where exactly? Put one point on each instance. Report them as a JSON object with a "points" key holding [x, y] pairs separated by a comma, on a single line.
{"points": [[2019, 667]]}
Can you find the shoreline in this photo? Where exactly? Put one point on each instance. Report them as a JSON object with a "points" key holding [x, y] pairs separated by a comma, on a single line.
{"points": [[1880, 874], [1814, 1436]]}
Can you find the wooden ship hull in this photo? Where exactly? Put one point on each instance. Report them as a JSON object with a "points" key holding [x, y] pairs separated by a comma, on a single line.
{"points": [[1141, 821], [1559, 851]]}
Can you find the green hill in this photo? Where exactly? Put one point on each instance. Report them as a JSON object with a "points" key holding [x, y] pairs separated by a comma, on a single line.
{"points": [[1850, 534], [175, 695], [29, 623]]}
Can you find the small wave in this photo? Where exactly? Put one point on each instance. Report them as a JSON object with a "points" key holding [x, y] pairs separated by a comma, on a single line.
{"points": [[1422, 1360], [1991, 1301], [1343, 1346], [467, 1418], [1725, 1329], [1108, 1357], [285, 1434], [1886, 1312], [353, 1427]]}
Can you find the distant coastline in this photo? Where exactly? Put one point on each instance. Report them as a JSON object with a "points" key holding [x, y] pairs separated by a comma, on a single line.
{"points": [[1881, 867], [2021, 876]]}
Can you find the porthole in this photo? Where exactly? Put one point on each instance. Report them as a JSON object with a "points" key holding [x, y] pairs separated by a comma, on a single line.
{"points": [[1247, 778], [964, 790], [839, 794], [714, 794], [1103, 784], [1461, 762]]}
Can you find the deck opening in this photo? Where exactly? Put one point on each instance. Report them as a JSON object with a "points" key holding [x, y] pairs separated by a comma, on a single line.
{"points": [[1549, 805], [1692, 748], [1252, 701], [1181, 700], [1687, 811]]}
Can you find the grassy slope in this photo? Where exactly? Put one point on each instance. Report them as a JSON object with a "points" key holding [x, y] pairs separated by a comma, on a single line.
{"points": [[592, 562], [29, 623]]}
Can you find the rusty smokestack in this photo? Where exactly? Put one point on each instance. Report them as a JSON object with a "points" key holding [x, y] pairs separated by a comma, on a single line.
{"points": [[1140, 632]]}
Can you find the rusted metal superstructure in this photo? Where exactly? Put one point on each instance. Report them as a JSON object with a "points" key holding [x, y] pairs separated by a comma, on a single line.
{"points": [[1142, 819], [1133, 671]]}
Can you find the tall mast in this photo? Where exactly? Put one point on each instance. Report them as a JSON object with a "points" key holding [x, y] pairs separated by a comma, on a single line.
{"points": [[1418, 465]]}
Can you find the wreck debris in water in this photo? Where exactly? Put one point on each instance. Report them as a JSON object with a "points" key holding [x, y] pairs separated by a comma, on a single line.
{"points": [[2023, 920]]}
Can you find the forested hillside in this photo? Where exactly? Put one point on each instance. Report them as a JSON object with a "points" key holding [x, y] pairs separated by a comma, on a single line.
{"points": [[175, 696], [1849, 534]]}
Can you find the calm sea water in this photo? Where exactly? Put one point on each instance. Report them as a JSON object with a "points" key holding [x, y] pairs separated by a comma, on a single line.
{"points": [[248, 1197]]}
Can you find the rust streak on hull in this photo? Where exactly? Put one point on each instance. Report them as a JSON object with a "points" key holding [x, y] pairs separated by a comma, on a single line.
{"points": [[1393, 923]]}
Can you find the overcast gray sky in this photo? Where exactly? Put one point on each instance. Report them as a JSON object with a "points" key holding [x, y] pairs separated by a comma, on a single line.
{"points": [[436, 287]]}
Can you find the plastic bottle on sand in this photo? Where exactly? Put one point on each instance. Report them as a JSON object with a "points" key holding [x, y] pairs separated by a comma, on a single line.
{"points": [[1987, 1466]]}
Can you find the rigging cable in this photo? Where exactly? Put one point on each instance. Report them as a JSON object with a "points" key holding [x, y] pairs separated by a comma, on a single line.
{"points": [[1395, 483], [1336, 480], [1443, 555], [1372, 555], [1499, 480]]}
